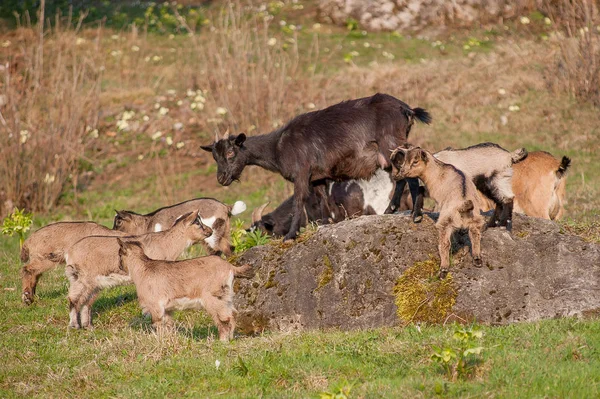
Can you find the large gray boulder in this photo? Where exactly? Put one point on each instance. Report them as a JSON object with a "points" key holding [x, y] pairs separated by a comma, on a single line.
{"points": [[352, 275]]}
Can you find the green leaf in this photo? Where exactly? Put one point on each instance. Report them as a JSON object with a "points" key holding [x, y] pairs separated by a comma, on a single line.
{"points": [[475, 351]]}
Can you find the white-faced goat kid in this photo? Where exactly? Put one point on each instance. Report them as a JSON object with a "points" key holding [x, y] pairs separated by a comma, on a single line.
{"points": [[539, 185], [456, 197], [349, 140], [93, 262], [163, 286], [213, 213], [489, 166], [45, 249]]}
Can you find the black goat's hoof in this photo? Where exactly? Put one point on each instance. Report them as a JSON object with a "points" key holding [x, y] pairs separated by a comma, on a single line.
{"points": [[443, 273], [477, 262], [417, 218], [389, 210]]}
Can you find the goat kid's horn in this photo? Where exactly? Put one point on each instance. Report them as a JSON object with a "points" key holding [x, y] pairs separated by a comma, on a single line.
{"points": [[257, 213]]}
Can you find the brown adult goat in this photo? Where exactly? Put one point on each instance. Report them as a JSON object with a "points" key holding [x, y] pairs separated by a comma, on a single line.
{"points": [[349, 140]]}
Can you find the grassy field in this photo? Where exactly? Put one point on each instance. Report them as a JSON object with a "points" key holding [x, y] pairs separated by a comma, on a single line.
{"points": [[158, 95]]}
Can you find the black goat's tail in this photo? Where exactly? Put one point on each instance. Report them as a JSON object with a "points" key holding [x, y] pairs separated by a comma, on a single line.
{"points": [[564, 166], [422, 115]]}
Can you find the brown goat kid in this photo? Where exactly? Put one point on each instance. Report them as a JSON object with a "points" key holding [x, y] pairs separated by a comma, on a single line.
{"points": [[213, 213], [93, 262], [45, 248], [539, 185], [456, 196], [165, 286]]}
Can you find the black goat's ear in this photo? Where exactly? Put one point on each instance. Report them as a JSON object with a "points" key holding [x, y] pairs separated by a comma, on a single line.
{"points": [[207, 148], [239, 139]]}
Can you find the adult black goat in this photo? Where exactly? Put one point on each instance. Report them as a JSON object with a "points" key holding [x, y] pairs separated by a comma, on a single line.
{"points": [[349, 140]]}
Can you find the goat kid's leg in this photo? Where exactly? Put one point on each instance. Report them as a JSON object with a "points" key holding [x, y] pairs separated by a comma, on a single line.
{"points": [[505, 218], [301, 193], [445, 234], [77, 294], [30, 275], [417, 197], [396, 197], [475, 228]]}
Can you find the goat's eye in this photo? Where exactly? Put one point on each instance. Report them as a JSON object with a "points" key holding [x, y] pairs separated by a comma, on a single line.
{"points": [[230, 154]]}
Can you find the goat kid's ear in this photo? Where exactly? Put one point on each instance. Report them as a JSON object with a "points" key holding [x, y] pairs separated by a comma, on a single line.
{"points": [[423, 156], [207, 148], [239, 139]]}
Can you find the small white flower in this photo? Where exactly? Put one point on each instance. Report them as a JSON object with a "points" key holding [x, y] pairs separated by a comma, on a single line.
{"points": [[272, 41], [221, 111], [24, 136], [389, 56], [366, 44], [199, 98], [94, 134], [156, 58], [147, 59], [292, 27], [157, 106], [180, 145], [171, 92], [190, 93], [140, 157], [127, 115], [317, 26], [514, 108], [169, 140], [156, 135], [122, 125], [79, 41], [115, 37], [354, 53], [501, 92], [547, 21], [310, 106], [115, 53], [282, 23], [178, 126], [171, 36], [179, 103], [145, 118], [6, 43], [217, 363], [163, 111], [49, 179], [135, 49], [525, 20]]}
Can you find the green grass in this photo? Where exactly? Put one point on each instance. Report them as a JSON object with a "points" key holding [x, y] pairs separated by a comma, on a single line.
{"points": [[122, 357]]}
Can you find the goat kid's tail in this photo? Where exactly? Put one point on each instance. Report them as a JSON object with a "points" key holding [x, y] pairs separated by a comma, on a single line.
{"points": [[24, 253], [466, 207], [422, 115], [244, 271], [564, 166], [518, 155], [237, 208]]}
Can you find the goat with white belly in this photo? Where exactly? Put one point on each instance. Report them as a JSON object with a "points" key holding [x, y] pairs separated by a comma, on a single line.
{"points": [[93, 262], [214, 214], [456, 197], [165, 286]]}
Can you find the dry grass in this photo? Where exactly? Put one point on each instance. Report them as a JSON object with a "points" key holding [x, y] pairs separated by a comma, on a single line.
{"points": [[49, 103]]}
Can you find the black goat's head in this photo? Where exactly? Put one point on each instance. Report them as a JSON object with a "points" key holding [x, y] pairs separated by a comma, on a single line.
{"points": [[229, 155]]}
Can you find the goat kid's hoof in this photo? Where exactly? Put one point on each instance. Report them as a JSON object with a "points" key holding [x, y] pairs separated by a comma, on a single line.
{"points": [[443, 273], [27, 298], [477, 262], [74, 326]]}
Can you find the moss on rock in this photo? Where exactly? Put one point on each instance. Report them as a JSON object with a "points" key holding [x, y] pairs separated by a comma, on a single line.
{"points": [[421, 296]]}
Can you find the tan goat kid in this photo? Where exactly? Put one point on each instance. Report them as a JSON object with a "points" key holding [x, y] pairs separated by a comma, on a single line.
{"points": [[45, 249], [93, 263], [165, 286], [457, 199]]}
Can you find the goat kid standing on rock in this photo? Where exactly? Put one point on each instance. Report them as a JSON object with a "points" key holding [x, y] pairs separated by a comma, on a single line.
{"points": [[349, 140], [163, 286], [456, 197], [93, 262]]}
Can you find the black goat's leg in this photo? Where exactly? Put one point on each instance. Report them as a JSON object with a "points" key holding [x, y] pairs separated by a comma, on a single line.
{"points": [[397, 197], [505, 218], [321, 192], [417, 199], [301, 192]]}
